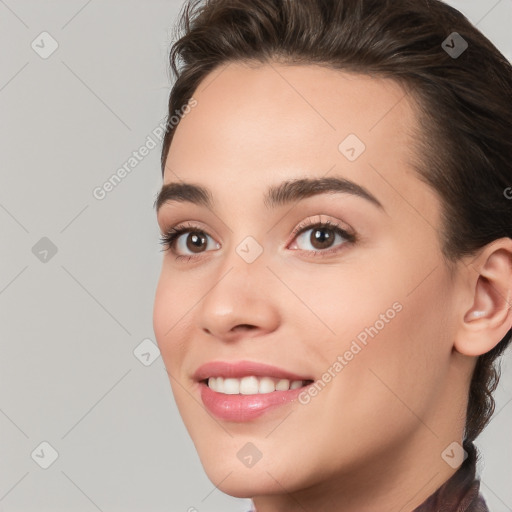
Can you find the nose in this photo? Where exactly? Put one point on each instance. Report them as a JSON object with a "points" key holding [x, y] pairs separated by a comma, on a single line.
{"points": [[240, 301]]}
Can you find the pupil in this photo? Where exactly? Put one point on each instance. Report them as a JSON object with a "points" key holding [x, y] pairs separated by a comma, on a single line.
{"points": [[194, 241], [323, 240]]}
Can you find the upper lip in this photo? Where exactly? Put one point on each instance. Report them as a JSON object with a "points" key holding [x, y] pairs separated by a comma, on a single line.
{"points": [[241, 369]]}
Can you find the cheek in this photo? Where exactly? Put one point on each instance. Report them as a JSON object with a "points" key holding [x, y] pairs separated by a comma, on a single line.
{"points": [[169, 324], [162, 312], [400, 372], [339, 303], [392, 328], [383, 387], [170, 319]]}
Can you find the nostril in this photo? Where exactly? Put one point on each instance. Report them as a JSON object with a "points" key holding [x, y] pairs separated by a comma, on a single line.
{"points": [[247, 327]]}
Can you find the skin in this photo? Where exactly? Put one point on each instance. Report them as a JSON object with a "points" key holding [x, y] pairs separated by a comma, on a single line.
{"points": [[372, 438]]}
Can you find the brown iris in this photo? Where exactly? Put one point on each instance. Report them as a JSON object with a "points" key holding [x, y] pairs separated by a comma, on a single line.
{"points": [[195, 240], [321, 238]]}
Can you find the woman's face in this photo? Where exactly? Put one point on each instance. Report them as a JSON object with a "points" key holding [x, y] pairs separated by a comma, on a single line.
{"points": [[366, 312]]}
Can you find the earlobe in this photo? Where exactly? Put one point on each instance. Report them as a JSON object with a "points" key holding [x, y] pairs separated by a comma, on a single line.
{"points": [[489, 318]]}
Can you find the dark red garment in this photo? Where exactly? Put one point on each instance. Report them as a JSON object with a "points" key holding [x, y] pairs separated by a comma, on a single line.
{"points": [[461, 493]]}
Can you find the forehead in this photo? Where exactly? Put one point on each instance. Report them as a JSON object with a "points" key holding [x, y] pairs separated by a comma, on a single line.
{"points": [[254, 111], [259, 124]]}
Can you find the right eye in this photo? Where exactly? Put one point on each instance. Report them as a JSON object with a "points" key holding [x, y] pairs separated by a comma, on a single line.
{"points": [[196, 241]]}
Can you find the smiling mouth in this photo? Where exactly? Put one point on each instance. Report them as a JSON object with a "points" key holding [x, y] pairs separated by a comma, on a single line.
{"points": [[252, 385]]}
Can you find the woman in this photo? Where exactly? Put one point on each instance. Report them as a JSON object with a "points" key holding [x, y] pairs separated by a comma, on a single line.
{"points": [[337, 282]]}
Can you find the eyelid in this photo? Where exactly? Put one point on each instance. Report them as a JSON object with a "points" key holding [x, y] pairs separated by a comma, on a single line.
{"points": [[187, 226]]}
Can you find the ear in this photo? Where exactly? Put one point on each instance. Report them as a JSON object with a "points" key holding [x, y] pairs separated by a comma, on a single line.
{"points": [[489, 318]]}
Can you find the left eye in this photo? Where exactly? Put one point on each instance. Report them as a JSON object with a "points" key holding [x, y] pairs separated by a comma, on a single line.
{"points": [[321, 238]]}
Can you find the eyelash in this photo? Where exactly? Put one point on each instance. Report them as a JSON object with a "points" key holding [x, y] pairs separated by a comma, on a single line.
{"points": [[169, 238]]}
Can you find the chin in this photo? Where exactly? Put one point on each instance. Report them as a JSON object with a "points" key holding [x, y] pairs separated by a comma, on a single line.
{"points": [[267, 476], [247, 483]]}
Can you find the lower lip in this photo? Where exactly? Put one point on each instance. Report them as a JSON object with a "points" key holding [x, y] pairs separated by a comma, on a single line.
{"points": [[244, 407]]}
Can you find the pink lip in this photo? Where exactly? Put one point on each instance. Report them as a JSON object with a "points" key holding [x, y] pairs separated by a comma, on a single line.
{"points": [[240, 369], [244, 407]]}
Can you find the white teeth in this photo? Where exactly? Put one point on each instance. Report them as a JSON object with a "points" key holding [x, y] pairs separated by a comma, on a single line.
{"points": [[251, 385], [230, 387], [284, 385], [267, 386]]}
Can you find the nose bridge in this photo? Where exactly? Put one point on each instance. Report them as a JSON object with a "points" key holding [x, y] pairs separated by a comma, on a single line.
{"points": [[241, 273], [244, 251], [239, 293]]}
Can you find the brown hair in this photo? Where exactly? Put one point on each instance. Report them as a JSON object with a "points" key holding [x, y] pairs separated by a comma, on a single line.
{"points": [[464, 149]]}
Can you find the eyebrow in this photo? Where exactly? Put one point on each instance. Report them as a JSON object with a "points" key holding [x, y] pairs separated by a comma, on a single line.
{"points": [[277, 195]]}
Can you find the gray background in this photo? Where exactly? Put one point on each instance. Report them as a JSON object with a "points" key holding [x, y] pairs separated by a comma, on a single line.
{"points": [[69, 324]]}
